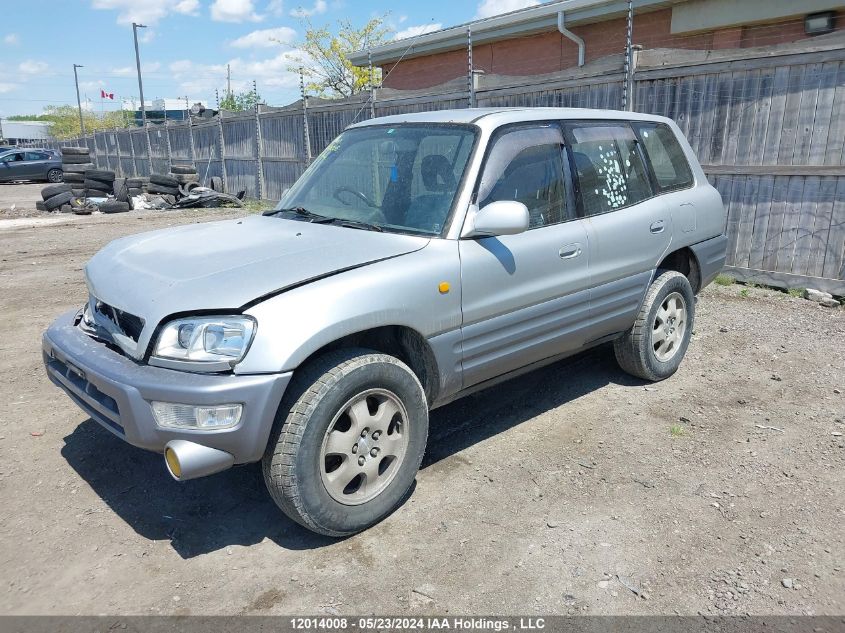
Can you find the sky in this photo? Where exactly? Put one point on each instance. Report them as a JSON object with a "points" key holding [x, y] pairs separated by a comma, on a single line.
{"points": [[186, 45]]}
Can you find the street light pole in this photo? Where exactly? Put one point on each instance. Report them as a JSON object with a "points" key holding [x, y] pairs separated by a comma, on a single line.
{"points": [[78, 100], [135, 28]]}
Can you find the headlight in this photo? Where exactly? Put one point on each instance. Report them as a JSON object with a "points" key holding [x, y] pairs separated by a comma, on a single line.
{"points": [[219, 342]]}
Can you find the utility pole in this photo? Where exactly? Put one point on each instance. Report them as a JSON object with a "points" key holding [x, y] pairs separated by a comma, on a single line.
{"points": [[78, 100], [305, 133], [135, 28]]}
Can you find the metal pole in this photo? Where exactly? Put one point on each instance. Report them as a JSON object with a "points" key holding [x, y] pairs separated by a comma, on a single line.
{"points": [[372, 86], [135, 28], [193, 153], [78, 100], [470, 79], [306, 134], [259, 171], [222, 141], [627, 97]]}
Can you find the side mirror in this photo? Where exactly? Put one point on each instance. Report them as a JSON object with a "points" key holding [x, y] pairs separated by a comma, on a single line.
{"points": [[505, 217]]}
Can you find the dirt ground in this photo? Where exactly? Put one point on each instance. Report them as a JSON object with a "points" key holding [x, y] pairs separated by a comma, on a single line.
{"points": [[574, 489]]}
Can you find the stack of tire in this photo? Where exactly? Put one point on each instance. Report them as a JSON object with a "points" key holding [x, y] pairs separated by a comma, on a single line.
{"points": [[98, 183], [75, 162], [57, 198]]}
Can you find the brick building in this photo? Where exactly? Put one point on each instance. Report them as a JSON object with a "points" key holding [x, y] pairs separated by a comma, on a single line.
{"points": [[558, 35]]}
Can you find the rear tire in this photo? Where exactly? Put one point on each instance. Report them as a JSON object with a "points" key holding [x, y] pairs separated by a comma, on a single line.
{"points": [[655, 345], [347, 442], [54, 175]]}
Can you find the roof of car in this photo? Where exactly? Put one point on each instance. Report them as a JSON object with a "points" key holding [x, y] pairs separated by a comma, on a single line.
{"points": [[495, 117]]}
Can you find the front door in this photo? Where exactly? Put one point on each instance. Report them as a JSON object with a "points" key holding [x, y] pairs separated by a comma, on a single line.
{"points": [[525, 297]]}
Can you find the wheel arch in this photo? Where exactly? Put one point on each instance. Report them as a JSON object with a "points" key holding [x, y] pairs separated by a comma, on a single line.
{"points": [[684, 261], [401, 341]]}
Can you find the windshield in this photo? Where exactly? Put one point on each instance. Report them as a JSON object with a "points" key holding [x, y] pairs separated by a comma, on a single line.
{"points": [[401, 177]]}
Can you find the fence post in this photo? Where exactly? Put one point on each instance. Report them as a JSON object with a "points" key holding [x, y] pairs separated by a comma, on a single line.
{"points": [[306, 133], [259, 171], [470, 79], [132, 151], [627, 97], [372, 86], [192, 152], [117, 153], [222, 141], [168, 147]]}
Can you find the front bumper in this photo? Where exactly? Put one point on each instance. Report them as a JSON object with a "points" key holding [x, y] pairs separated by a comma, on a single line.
{"points": [[116, 392]]}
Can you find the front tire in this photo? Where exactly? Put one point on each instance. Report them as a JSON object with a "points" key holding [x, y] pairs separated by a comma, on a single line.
{"points": [[655, 345], [348, 441]]}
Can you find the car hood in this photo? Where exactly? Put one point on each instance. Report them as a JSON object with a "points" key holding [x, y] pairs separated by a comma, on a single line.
{"points": [[223, 266]]}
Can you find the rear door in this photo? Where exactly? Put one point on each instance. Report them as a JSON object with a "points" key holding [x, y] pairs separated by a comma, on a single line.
{"points": [[629, 228], [35, 164], [524, 297]]}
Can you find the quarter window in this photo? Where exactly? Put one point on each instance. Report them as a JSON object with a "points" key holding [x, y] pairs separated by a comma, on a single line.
{"points": [[608, 167], [526, 165], [670, 166]]}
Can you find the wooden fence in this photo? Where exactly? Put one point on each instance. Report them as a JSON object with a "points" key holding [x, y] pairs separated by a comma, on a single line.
{"points": [[768, 125]]}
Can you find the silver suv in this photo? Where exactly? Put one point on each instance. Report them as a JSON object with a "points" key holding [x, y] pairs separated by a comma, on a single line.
{"points": [[419, 258]]}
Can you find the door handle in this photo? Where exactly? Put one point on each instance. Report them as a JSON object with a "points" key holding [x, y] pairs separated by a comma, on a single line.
{"points": [[570, 251], [657, 227]]}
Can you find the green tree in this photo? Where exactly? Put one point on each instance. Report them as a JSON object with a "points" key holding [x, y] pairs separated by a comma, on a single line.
{"points": [[326, 65], [240, 101], [64, 120]]}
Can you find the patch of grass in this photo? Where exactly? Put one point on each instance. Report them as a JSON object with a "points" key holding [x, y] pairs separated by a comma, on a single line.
{"points": [[251, 205], [676, 430], [795, 292], [743, 292], [724, 280]]}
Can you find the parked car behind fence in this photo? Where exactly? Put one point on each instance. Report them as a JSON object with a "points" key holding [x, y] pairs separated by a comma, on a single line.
{"points": [[30, 164]]}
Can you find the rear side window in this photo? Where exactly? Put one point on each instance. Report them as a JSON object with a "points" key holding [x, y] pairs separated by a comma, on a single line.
{"points": [[670, 166], [608, 167], [36, 156]]}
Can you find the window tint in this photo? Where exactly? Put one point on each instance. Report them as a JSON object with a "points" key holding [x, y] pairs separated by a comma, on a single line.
{"points": [[35, 156], [667, 159], [610, 172], [526, 165]]}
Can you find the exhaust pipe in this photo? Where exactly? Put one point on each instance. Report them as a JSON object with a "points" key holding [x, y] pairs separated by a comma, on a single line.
{"points": [[187, 460]]}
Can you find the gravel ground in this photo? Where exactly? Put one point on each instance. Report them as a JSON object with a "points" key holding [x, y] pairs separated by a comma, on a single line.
{"points": [[574, 489]]}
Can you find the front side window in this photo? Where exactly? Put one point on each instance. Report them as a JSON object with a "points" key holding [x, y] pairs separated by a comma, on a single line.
{"points": [[402, 178], [526, 165], [608, 167], [670, 166]]}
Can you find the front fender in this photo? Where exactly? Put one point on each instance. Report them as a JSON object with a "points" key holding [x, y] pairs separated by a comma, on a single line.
{"points": [[402, 291]]}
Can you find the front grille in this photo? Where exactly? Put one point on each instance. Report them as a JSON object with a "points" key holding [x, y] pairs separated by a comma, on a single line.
{"points": [[129, 324]]}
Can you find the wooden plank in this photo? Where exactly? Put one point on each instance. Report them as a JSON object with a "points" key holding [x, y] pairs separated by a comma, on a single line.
{"points": [[736, 105], [789, 231], [770, 250], [762, 108], [750, 105], [834, 259], [696, 85], [748, 210], [824, 114], [786, 280], [836, 136], [776, 170], [684, 103], [709, 111], [774, 128], [790, 115], [720, 120], [807, 113], [837, 54], [734, 208], [761, 221], [821, 231], [806, 225]]}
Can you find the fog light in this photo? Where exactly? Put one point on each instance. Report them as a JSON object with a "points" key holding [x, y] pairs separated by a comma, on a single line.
{"points": [[186, 416]]}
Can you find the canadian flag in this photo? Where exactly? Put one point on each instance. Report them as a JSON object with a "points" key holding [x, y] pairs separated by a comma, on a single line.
{"points": [[106, 95]]}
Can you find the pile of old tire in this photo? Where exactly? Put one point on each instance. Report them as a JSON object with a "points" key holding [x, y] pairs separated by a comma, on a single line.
{"points": [[136, 185], [75, 161], [163, 185], [54, 197], [99, 183]]}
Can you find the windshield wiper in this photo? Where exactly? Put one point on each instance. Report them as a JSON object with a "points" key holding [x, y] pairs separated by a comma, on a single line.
{"points": [[302, 212], [357, 224]]}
